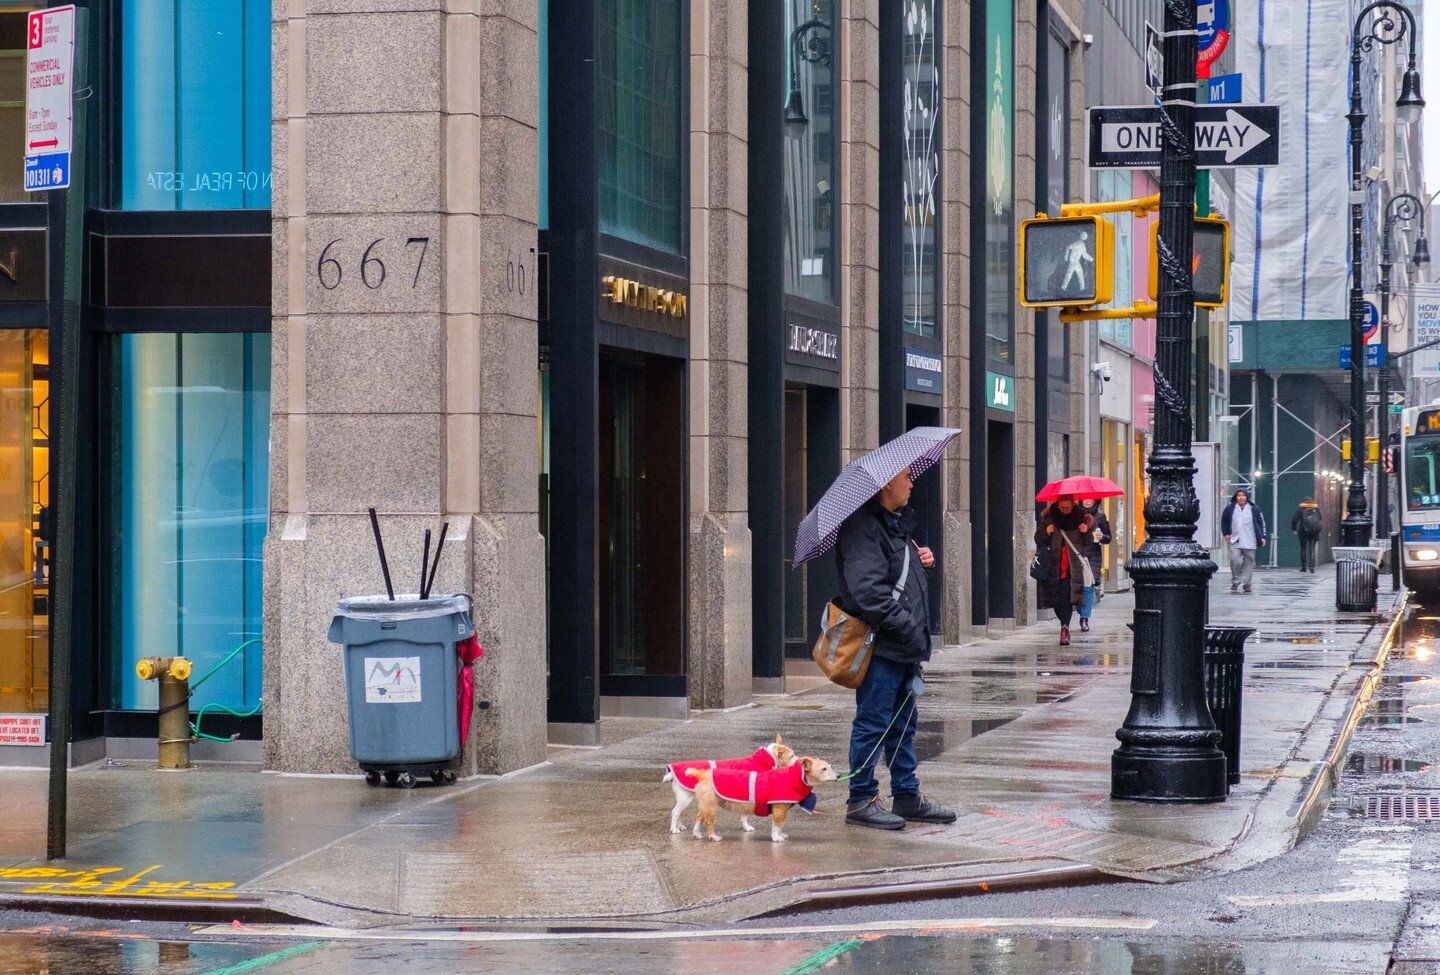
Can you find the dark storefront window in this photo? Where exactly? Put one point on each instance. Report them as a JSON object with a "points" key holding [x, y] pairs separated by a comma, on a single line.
{"points": [[999, 188], [639, 87], [190, 467], [810, 226], [194, 93], [25, 524], [922, 164], [641, 517], [12, 108]]}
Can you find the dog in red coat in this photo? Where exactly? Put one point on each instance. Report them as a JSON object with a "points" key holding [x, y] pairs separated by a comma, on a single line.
{"points": [[764, 759], [763, 793]]}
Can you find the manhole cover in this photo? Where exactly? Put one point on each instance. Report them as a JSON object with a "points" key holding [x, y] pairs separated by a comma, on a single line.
{"points": [[1409, 807]]}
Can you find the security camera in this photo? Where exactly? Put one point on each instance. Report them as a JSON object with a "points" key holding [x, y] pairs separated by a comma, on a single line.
{"points": [[1102, 369], [1088, 39]]}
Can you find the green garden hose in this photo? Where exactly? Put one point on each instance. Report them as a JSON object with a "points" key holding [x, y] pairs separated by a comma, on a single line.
{"points": [[200, 715]]}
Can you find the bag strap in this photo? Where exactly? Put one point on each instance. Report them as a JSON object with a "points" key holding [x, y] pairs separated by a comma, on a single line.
{"points": [[904, 574], [1071, 544]]}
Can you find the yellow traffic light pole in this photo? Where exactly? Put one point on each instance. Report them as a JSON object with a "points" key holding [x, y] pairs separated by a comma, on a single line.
{"points": [[1140, 309], [1139, 207]]}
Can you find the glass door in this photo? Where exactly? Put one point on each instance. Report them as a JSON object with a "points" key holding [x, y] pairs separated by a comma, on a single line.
{"points": [[25, 524]]}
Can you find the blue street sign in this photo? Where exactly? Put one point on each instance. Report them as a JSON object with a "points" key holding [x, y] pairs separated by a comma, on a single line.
{"points": [[1226, 89], [1211, 17], [47, 172], [1374, 356]]}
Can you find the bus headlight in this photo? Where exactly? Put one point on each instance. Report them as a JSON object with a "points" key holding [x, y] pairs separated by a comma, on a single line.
{"points": [[1424, 554]]}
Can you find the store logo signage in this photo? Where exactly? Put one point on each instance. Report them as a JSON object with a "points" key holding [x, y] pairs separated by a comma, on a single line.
{"points": [[1000, 392], [633, 294], [814, 342], [924, 371]]}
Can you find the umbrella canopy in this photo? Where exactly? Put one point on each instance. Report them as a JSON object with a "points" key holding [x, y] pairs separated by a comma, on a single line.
{"points": [[862, 479], [1080, 488]]}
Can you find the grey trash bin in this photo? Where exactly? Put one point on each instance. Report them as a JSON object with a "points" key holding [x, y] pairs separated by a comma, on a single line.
{"points": [[401, 674], [1356, 584]]}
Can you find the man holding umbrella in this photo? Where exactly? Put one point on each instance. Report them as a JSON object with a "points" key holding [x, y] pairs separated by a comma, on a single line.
{"points": [[867, 517]]}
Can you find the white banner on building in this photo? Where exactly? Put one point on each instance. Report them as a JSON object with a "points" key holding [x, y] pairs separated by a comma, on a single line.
{"points": [[1290, 228], [1426, 313]]}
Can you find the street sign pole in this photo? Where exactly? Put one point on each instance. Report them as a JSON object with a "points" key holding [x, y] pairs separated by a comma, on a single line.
{"points": [[1169, 743]]}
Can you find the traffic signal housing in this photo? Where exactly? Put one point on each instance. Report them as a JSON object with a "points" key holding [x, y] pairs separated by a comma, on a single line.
{"points": [[1210, 264], [1067, 262], [1372, 450]]}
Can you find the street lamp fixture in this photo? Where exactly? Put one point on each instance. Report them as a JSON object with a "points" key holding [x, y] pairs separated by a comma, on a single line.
{"points": [[1384, 22], [1410, 103], [810, 42], [1420, 257]]}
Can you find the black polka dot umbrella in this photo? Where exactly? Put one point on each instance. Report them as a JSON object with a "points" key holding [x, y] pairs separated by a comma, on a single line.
{"points": [[861, 480]]}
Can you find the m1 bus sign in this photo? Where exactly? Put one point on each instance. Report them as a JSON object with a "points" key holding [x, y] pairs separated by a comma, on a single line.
{"points": [[49, 112]]}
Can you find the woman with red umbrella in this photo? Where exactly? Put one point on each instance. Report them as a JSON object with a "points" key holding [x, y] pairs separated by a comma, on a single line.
{"points": [[1063, 533]]}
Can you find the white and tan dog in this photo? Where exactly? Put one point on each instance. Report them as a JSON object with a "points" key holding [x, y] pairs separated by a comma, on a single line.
{"points": [[772, 756], [766, 794]]}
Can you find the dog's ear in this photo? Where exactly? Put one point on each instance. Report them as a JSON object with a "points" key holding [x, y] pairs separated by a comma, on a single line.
{"points": [[809, 764], [778, 740]]}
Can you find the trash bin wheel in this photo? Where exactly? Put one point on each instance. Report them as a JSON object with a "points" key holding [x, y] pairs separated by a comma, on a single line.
{"points": [[407, 780], [447, 776], [372, 778], [391, 778]]}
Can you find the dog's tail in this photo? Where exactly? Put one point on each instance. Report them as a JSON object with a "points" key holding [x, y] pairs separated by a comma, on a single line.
{"points": [[698, 776]]}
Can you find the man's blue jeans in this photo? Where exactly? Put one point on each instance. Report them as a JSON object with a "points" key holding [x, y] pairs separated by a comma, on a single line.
{"points": [[1088, 606], [877, 700]]}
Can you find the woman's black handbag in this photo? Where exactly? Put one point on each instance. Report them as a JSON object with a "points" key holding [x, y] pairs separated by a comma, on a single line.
{"points": [[1040, 564]]}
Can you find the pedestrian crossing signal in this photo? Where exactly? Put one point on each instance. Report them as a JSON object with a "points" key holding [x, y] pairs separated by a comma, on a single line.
{"points": [[1372, 450], [1210, 263], [1067, 262]]}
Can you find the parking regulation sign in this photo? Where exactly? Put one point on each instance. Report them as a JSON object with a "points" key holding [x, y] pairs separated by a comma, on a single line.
{"points": [[49, 107]]}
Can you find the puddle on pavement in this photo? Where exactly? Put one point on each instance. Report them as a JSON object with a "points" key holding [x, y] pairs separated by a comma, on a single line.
{"points": [[934, 738], [1368, 763]]}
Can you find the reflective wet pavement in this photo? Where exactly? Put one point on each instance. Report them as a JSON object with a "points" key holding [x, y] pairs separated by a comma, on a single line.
{"points": [[1016, 733]]}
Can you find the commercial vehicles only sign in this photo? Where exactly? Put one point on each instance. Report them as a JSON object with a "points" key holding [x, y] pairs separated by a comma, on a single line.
{"points": [[49, 108], [1225, 136]]}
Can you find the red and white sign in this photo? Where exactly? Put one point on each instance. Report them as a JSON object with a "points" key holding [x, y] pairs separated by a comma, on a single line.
{"points": [[22, 729], [49, 77]]}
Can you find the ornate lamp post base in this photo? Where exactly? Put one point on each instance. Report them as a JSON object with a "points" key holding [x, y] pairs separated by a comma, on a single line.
{"points": [[1169, 745]]}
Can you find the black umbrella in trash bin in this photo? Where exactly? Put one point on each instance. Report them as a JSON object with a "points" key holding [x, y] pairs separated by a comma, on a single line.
{"points": [[862, 479]]}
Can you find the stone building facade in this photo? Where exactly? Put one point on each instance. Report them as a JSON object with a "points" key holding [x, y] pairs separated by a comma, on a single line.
{"points": [[469, 196]]}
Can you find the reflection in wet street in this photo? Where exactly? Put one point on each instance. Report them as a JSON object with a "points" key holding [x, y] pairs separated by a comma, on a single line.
{"points": [[1019, 954]]}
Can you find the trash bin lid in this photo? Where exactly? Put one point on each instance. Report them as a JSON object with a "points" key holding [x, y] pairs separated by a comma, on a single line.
{"points": [[382, 609]]}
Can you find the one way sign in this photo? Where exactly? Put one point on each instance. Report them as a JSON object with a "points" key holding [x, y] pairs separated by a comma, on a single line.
{"points": [[1225, 136]]}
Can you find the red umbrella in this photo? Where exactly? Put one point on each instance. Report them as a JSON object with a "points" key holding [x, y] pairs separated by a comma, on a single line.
{"points": [[1080, 488]]}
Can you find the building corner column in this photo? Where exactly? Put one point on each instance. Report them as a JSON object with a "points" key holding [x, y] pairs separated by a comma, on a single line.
{"points": [[720, 551]]}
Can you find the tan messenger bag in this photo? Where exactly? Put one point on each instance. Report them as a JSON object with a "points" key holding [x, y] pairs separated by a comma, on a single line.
{"points": [[843, 649]]}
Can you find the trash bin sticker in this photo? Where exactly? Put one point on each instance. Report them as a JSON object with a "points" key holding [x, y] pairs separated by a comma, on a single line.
{"points": [[392, 680]]}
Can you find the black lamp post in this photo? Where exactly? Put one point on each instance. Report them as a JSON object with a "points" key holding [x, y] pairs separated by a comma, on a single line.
{"points": [[1405, 208], [1381, 23], [1169, 743], [809, 42]]}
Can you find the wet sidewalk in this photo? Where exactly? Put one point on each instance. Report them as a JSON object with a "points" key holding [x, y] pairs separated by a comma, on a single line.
{"points": [[1014, 733]]}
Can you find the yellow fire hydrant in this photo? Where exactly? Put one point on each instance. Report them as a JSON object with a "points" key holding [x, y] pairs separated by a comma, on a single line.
{"points": [[174, 713]]}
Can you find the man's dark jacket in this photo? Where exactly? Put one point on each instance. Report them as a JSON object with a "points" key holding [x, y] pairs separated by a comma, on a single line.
{"points": [[870, 555], [1261, 535]]}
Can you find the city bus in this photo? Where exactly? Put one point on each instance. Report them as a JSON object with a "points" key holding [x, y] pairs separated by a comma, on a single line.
{"points": [[1419, 460]]}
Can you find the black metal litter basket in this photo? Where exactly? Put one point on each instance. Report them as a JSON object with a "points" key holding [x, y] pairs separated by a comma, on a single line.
{"points": [[1356, 584], [1224, 688]]}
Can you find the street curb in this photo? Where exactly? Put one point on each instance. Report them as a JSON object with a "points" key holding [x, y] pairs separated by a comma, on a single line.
{"points": [[248, 910], [1307, 812]]}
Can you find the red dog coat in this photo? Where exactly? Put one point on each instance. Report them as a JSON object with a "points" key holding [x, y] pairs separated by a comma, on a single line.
{"points": [[764, 788], [760, 761]]}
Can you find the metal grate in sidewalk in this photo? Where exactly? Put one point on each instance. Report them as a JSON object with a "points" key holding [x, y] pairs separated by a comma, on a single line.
{"points": [[1410, 808]]}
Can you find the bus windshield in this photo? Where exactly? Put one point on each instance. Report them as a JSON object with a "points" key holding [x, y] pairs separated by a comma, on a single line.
{"points": [[1422, 473]]}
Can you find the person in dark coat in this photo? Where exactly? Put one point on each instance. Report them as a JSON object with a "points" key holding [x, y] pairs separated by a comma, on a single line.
{"points": [[883, 582], [1307, 523], [1093, 550], [1064, 529]]}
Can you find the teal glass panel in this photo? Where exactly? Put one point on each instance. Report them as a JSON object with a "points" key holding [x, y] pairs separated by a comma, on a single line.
{"points": [[190, 466], [638, 86], [999, 162], [194, 78]]}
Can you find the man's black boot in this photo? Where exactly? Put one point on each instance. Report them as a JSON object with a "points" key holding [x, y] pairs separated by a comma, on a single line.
{"points": [[873, 815], [916, 808]]}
